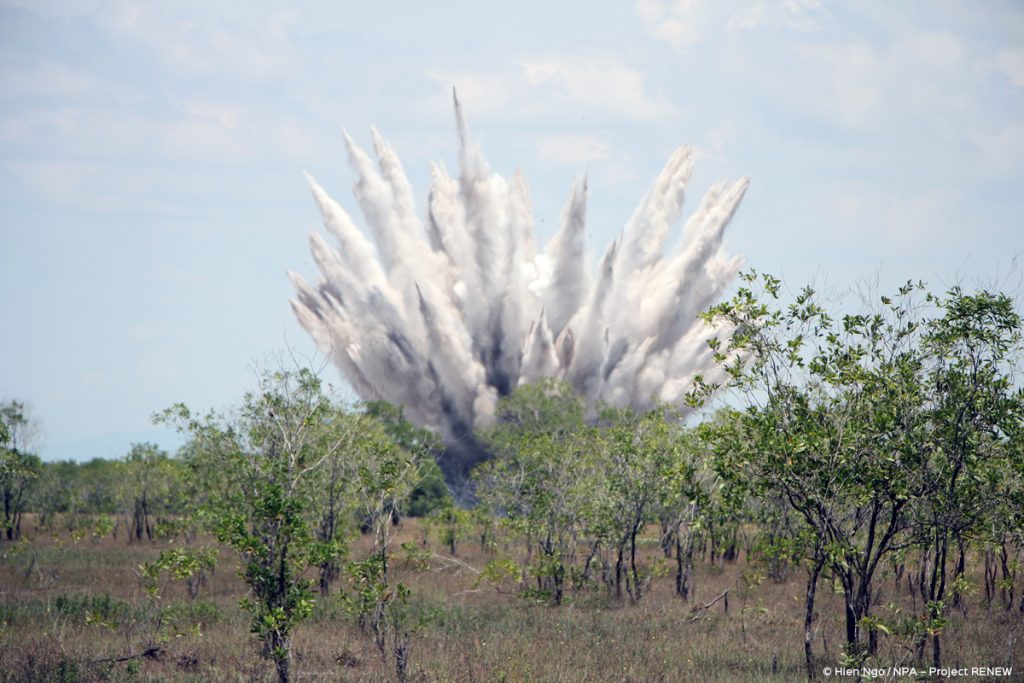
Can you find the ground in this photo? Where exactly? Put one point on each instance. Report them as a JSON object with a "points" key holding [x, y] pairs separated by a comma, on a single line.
{"points": [[71, 609]]}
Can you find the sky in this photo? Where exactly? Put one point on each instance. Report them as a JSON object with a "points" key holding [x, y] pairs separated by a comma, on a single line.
{"points": [[151, 158]]}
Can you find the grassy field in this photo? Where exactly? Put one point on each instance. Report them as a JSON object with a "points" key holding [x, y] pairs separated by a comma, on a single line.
{"points": [[79, 611]]}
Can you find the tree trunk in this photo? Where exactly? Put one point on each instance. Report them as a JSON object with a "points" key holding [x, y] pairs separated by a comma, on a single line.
{"points": [[936, 589], [328, 572], [991, 572], [635, 595], [684, 567], [812, 587], [584, 577], [711, 535], [282, 653], [857, 600], [958, 572], [559, 576], [618, 570], [9, 527], [732, 549], [138, 523], [668, 533], [1006, 590]]}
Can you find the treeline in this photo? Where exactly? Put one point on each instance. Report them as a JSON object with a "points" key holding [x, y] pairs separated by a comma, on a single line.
{"points": [[880, 447], [145, 495]]}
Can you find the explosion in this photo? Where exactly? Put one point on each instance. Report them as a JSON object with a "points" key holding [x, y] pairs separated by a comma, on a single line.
{"points": [[445, 315]]}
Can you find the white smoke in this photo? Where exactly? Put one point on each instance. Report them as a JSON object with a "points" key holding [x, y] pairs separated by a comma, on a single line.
{"points": [[444, 316]]}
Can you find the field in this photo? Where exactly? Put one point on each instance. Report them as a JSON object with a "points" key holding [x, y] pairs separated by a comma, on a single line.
{"points": [[77, 609]]}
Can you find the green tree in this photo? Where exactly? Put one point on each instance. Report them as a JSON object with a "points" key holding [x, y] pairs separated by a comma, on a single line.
{"points": [[384, 463], [258, 466], [18, 466], [541, 479], [973, 350], [373, 476], [641, 461], [689, 494], [832, 421], [430, 494], [384, 475], [151, 486]]}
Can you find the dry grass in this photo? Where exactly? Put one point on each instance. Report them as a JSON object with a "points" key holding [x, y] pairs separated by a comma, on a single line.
{"points": [[69, 610]]}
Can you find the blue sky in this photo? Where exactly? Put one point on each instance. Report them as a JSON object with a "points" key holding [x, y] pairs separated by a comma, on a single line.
{"points": [[151, 158]]}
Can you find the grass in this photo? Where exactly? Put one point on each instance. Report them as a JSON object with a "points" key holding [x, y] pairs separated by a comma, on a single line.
{"points": [[70, 611]]}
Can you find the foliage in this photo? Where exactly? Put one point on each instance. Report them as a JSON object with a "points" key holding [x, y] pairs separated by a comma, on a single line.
{"points": [[430, 494], [261, 463], [869, 427], [564, 483], [18, 467]]}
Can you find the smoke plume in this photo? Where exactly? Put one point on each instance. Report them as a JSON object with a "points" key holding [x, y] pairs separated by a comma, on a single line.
{"points": [[445, 314]]}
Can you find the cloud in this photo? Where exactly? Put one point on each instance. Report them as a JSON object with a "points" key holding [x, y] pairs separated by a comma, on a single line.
{"points": [[572, 149], [115, 187], [1011, 63], [92, 185], [226, 114], [44, 79], [793, 15], [930, 53], [676, 23], [55, 8], [869, 81], [685, 23], [856, 82], [142, 332], [909, 77], [255, 50], [718, 140], [195, 129], [897, 222], [598, 86], [490, 94], [108, 131], [61, 180], [546, 89], [886, 71], [1002, 149]]}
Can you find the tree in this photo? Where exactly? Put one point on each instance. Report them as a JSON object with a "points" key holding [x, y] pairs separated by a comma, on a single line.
{"points": [[258, 466], [382, 465], [832, 423], [150, 486], [429, 492], [973, 347], [893, 428], [334, 502], [642, 460], [18, 466], [691, 492], [541, 479], [73, 489]]}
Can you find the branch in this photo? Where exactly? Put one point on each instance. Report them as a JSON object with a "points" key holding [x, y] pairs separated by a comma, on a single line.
{"points": [[705, 608], [451, 561]]}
